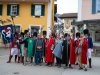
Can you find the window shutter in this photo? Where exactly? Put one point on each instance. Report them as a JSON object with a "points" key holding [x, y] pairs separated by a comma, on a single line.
{"points": [[17, 10], [8, 10], [1, 9], [93, 6], [43, 10], [32, 10]]}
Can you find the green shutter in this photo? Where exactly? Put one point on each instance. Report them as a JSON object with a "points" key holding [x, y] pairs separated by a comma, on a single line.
{"points": [[1, 9], [8, 10], [43, 10], [32, 10], [17, 9]]}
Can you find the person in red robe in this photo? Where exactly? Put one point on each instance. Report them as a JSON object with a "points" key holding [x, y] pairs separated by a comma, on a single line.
{"points": [[77, 41], [72, 52], [84, 50], [49, 58]]}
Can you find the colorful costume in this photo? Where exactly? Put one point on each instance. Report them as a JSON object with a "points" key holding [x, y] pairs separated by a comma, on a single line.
{"points": [[31, 47], [58, 52], [90, 50], [72, 52], [49, 55], [39, 47]]}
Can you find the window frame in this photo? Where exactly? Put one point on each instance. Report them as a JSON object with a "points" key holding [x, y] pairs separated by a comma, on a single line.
{"points": [[34, 10], [97, 4], [13, 10], [39, 7]]}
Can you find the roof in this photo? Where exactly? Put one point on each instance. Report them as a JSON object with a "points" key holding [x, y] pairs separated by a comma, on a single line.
{"points": [[24, 0], [92, 21], [68, 15]]}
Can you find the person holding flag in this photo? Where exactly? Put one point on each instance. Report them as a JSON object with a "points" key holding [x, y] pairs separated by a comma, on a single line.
{"points": [[14, 48]]}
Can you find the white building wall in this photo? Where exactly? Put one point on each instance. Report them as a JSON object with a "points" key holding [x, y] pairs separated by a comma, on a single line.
{"points": [[79, 10]]}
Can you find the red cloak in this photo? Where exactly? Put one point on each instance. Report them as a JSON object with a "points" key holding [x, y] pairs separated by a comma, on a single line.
{"points": [[72, 52], [84, 51], [49, 55]]}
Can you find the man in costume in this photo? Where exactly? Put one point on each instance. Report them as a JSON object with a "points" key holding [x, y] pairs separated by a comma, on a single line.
{"points": [[66, 51], [72, 52], [84, 43], [25, 42], [45, 42], [49, 58], [90, 50], [39, 47], [14, 48], [78, 49], [21, 47], [58, 50], [30, 49]]}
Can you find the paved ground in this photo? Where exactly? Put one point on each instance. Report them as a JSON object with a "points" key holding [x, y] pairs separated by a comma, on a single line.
{"points": [[19, 69]]}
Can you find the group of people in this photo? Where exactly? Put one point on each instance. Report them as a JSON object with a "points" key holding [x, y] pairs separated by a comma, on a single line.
{"points": [[68, 50]]}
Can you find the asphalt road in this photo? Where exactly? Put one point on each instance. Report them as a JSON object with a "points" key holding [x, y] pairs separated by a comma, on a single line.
{"points": [[19, 69]]}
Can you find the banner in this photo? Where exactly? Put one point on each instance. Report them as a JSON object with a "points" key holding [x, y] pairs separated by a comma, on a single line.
{"points": [[7, 33]]}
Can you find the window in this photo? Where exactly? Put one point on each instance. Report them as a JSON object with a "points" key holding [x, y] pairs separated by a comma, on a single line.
{"points": [[98, 6], [37, 10], [13, 9], [35, 29]]}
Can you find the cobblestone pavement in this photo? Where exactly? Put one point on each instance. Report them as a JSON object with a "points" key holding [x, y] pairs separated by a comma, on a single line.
{"points": [[19, 69]]}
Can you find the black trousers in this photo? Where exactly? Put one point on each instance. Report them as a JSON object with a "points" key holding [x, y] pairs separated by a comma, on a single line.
{"points": [[58, 61]]}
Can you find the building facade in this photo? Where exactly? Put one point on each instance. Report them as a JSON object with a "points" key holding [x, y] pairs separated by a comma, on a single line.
{"points": [[34, 15], [89, 17]]}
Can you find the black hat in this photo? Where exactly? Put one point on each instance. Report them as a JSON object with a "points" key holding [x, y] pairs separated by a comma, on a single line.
{"points": [[65, 35], [44, 33], [26, 31], [86, 31], [22, 33], [77, 34], [35, 34]]}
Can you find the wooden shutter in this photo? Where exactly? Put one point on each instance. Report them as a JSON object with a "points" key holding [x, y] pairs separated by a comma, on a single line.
{"points": [[42, 10], [32, 10], [1, 9], [93, 6], [8, 10]]}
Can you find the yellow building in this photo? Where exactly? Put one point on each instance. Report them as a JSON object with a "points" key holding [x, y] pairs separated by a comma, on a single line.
{"points": [[34, 15]]}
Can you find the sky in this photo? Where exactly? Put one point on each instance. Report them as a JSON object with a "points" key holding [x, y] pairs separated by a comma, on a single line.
{"points": [[67, 6]]}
